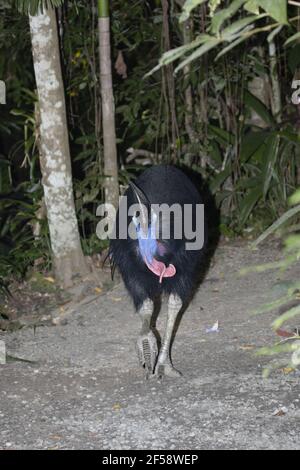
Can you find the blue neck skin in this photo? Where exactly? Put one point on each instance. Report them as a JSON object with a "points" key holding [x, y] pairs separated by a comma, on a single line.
{"points": [[147, 241]]}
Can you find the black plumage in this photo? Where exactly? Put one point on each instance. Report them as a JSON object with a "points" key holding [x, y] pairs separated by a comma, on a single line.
{"points": [[162, 184]]}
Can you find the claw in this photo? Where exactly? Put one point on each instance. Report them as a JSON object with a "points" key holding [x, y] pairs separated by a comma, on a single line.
{"points": [[147, 351], [166, 370]]}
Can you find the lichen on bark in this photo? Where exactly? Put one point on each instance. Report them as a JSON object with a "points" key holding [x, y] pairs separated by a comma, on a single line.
{"points": [[68, 259]]}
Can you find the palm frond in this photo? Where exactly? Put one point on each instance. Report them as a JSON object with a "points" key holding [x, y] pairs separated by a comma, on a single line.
{"points": [[33, 6]]}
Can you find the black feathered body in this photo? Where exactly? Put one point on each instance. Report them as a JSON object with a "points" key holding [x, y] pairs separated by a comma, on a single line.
{"points": [[162, 184]]}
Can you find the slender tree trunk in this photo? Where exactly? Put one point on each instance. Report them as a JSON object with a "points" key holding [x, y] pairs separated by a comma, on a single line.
{"points": [[296, 78], [170, 79], [108, 106], [187, 32], [68, 259], [260, 87], [275, 81]]}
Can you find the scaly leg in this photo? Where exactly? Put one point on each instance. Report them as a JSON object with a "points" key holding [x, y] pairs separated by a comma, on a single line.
{"points": [[164, 365], [147, 344]]}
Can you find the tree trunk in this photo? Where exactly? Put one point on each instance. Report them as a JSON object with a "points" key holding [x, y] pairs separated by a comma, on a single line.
{"points": [[259, 86], [275, 81], [187, 32], [170, 98], [108, 107], [68, 259]]}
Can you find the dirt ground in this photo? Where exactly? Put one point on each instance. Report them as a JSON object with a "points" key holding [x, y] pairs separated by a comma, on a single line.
{"points": [[83, 388]]}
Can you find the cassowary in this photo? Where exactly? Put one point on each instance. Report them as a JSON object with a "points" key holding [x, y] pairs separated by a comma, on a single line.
{"points": [[158, 260]]}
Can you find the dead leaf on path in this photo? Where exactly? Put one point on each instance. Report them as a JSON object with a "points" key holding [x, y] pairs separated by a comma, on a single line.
{"points": [[287, 370], [285, 334], [49, 279], [55, 437], [116, 299], [117, 407], [247, 347], [98, 290]]}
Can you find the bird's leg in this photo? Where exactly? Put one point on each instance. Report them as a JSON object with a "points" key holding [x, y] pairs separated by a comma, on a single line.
{"points": [[147, 344], [164, 365]]}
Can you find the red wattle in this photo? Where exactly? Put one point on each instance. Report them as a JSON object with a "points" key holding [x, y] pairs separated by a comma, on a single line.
{"points": [[160, 269]]}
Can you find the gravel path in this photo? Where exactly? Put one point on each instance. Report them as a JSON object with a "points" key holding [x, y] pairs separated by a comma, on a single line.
{"points": [[86, 391]]}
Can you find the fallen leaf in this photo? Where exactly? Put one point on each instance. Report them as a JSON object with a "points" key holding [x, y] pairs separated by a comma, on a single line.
{"points": [[285, 334], [55, 437], [49, 279], [98, 290], [247, 347], [120, 66], [287, 370], [280, 411]]}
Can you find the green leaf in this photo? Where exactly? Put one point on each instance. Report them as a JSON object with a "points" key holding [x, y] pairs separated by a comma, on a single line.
{"points": [[219, 179], [32, 6], [292, 38], [214, 151], [277, 349], [188, 7], [272, 147], [292, 243], [252, 7], [248, 182], [259, 108], [251, 142], [295, 198], [176, 53], [237, 26], [91, 196], [223, 15], [274, 33], [278, 223], [286, 316], [222, 136], [198, 53], [233, 44], [248, 204], [275, 304], [277, 9], [290, 137]]}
